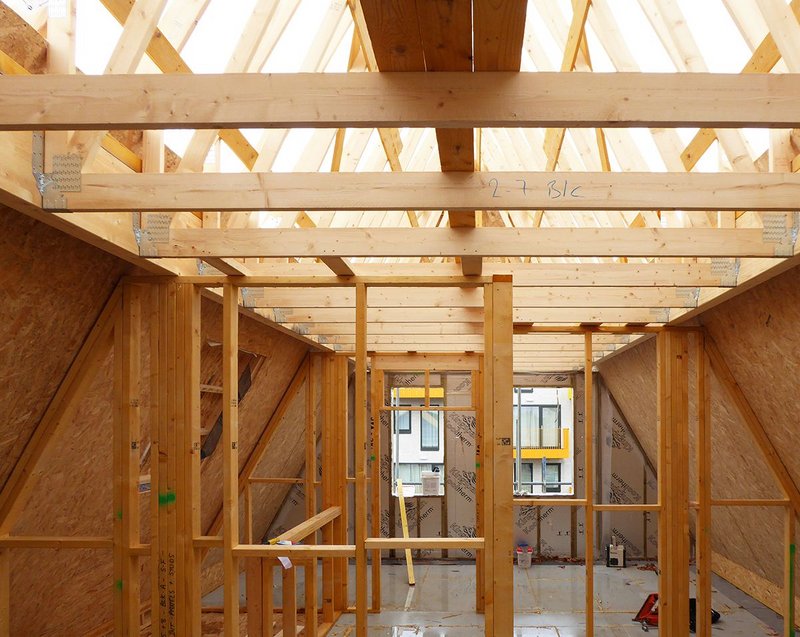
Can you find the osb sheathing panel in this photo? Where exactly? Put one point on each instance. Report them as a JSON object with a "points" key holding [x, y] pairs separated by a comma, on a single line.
{"points": [[52, 289], [282, 357], [21, 42], [284, 457], [68, 592], [756, 333]]}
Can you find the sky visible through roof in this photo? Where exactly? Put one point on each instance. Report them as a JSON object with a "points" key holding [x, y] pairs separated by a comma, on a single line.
{"points": [[620, 36]]}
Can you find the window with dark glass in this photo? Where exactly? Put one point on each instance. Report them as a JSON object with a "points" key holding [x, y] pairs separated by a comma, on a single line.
{"points": [[402, 421], [552, 473], [429, 431]]}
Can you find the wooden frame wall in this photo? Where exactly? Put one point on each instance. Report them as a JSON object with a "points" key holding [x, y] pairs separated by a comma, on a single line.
{"points": [[176, 546]]}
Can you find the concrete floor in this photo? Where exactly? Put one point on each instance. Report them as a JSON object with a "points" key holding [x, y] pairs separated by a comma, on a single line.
{"points": [[548, 599]]}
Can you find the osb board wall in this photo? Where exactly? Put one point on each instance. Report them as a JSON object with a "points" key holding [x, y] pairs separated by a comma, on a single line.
{"points": [[281, 357], [52, 289], [21, 42], [66, 592], [756, 333], [284, 458], [279, 506]]}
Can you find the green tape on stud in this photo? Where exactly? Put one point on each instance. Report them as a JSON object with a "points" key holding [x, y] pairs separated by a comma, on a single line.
{"points": [[166, 498], [118, 584], [372, 458], [477, 465], [119, 514]]}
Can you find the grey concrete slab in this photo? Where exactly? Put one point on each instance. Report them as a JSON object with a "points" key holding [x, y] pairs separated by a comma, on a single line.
{"points": [[549, 600]]}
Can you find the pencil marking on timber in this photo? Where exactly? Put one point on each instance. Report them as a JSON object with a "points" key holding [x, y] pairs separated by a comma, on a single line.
{"points": [[555, 188]]}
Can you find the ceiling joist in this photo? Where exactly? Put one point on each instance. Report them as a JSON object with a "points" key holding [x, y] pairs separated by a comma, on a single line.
{"points": [[445, 100]]}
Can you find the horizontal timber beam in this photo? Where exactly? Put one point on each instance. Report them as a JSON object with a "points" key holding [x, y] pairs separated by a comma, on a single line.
{"points": [[471, 297], [432, 543], [346, 316], [329, 328], [697, 274], [294, 550], [397, 100], [485, 242], [601, 341], [172, 192]]}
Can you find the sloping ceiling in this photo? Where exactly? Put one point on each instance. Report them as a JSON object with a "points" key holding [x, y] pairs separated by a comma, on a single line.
{"points": [[71, 591], [756, 333]]}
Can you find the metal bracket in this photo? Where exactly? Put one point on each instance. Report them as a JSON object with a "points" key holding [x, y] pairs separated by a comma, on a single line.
{"points": [[777, 231], [247, 294], [691, 296], [301, 328], [66, 175], [157, 231], [251, 296], [727, 270], [659, 314]]}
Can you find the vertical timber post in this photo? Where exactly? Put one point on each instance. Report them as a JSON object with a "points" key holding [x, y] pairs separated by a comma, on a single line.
{"points": [[127, 393], [311, 492], [673, 482], [360, 460], [376, 400], [703, 530], [588, 473], [498, 470], [230, 438], [788, 572], [327, 484], [477, 402]]}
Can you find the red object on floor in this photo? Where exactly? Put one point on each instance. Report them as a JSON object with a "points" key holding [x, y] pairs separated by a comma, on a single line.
{"points": [[648, 613]]}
